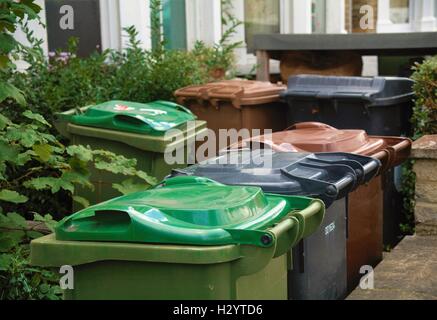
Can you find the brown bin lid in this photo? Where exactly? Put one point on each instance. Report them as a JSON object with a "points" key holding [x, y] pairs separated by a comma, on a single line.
{"points": [[319, 137], [238, 92]]}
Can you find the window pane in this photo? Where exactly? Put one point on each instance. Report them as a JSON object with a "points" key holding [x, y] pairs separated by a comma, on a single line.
{"points": [[435, 8], [260, 16], [318, 10], [73, 18], [174, 24], [400, 11]]}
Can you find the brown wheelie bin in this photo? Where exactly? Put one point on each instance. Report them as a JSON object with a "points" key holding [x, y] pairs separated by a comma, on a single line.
{"points": [[236, 104], [365, 206]]}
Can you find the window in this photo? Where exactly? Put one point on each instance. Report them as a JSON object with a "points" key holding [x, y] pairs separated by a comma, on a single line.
{"points": [[72, 18], [400, 11], [260, 16], [435, 8], [318, 16], [174, 24]]}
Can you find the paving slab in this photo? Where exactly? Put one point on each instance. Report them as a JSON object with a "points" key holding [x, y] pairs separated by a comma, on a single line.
{"points": [[408, 272]]}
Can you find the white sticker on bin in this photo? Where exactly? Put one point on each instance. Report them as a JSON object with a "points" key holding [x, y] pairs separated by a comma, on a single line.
{"points": [[329, 228]]}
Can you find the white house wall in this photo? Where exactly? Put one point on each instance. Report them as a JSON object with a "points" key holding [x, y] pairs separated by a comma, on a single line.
{"points": [[204, 21]]}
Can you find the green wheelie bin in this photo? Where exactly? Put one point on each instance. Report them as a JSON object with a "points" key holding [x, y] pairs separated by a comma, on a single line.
{"points": [[145, 132], [189, 238]]}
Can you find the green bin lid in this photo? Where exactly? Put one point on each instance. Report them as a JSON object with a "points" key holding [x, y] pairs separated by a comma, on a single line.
{"points": [[186, 210], [153, 118]]}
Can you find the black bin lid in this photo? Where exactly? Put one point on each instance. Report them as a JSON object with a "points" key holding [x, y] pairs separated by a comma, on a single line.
{"points": [[327, 176], [376, 91]]}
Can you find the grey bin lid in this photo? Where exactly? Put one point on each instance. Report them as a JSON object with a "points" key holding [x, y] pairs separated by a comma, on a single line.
{"points": [[377, 91], [327, 176]]}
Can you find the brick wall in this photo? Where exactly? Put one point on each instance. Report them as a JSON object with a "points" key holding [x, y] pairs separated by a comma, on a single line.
{"points": [[425, 154]]}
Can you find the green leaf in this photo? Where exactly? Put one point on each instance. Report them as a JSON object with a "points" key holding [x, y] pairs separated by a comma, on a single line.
{"points": [[4, 59], [12, 196], [84, 202], [6, 244], [27, 137], [47, 219], [15, 235], [108, 161], [35, 116], [44, 288], [7, 43], [2, 171], [150, 180], [77, 178], [18, 220], [24, 157], [43, 151], [49, 183], [8, 152], [5, 261], [4, 122], [7, 90], [129, 186], [10, 239], [34, 234], [80, 152]]}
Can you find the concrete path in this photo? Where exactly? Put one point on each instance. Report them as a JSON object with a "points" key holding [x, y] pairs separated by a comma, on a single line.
{"points": [[409, 272]]}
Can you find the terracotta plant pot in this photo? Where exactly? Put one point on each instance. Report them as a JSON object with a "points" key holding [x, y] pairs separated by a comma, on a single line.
{"points": [[217, 73]]}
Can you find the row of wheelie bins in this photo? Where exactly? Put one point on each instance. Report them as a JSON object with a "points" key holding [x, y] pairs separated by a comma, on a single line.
{"points": [[293, 214]]}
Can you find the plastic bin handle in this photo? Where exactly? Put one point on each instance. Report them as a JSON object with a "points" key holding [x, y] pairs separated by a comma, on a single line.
{"points": [[399, 151], [232, 93], [401, 146], [175, 106], [385, 156], [188, 180], [344, 182], [310, 125], [129, 121], [371, 166], [310, 218], [287, 234]]}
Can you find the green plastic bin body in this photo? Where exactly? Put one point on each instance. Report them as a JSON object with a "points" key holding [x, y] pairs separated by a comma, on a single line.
{"points": [[201, 273], [222, 242], [130, 136]]}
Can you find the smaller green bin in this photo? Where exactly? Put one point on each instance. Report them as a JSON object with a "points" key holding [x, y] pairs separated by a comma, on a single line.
{"points": [[191, 238], [134, 130]]}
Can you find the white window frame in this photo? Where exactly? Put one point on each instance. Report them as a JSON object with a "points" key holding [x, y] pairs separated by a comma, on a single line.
{"points": [[116, 15], [203, 21], [294, 16], [39, 32], [421, 17]]}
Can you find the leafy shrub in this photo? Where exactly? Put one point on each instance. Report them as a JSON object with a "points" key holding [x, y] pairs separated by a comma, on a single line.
{"points": [[424, 122], [66, 81], [34, 166], [19, 280], [11, 14], [425, 87]]}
